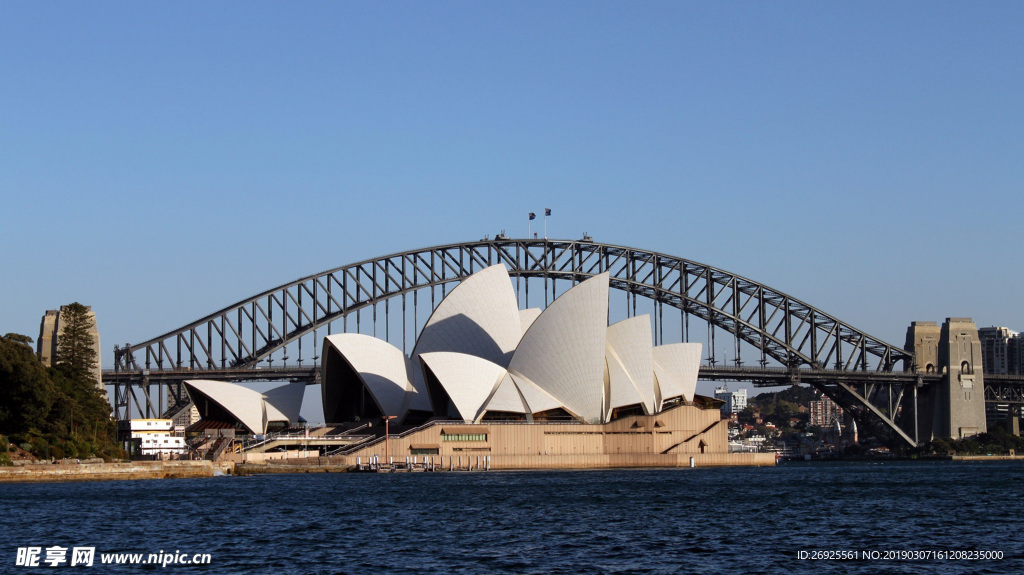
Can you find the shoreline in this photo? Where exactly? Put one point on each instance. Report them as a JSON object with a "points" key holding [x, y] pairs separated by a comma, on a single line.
{"points": [[143, 470], [126, 470], [786, 460], [986, 457], [136, 470]]}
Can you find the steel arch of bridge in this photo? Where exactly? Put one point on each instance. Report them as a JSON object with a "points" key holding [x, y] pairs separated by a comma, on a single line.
{"points": [[777, 325]]}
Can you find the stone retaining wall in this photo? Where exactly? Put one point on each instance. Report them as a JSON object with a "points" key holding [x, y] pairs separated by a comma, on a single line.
{"points": [[112, 471]]}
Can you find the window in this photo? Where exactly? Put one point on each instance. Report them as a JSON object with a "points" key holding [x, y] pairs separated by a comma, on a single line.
{"points": [[463, 437], [424, 451]]}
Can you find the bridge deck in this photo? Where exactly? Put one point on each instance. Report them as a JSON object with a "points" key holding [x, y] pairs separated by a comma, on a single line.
{"points": [[758, 376]]}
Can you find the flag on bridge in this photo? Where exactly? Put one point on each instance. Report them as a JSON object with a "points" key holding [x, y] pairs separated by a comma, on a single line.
{"points": [[547, 211], [533, 216]]}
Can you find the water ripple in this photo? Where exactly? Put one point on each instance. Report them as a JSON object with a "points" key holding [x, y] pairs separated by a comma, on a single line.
{"points": [[616, 521]]}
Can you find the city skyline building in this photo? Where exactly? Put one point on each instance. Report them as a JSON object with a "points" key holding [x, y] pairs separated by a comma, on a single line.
{"points": [[735, 401], [824, 412], [1000, 349]]}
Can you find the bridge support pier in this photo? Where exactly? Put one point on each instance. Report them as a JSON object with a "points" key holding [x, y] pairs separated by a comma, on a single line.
{"points": [[955, 408]]}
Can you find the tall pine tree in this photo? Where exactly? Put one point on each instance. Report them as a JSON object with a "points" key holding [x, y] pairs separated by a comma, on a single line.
{"points": [[76, 350]]}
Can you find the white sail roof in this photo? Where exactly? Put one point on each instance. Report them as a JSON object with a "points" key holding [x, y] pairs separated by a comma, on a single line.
{"points": [[242, 403], [381, 367], [528, 316], [506, 397], [631, 364], [563, 351], [620, 390], [676, 366], [468, 380], [478, 317], [537, 400], [283, 403], [417, 397]]}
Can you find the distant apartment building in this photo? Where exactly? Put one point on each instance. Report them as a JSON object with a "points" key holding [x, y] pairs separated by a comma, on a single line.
{"points": [[186, 417], [1000, 350], [49, 340], [735, 401], [823, 412], [1017, 354]]}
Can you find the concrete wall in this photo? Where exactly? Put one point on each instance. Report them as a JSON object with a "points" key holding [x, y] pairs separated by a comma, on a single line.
{"points": [[517, 462], [291, 454], [923, 339], [629, 460], [677, 433], [46, 345], [110, 471]]}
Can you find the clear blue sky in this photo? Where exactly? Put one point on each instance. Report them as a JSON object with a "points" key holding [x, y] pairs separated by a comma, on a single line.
{"points": [[159, 161]]}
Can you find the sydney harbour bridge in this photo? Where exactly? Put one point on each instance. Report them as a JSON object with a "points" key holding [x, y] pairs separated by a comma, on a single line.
{"points": [[766, 337]]}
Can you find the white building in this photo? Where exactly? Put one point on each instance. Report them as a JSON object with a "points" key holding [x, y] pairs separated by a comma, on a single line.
{"points": [[735, 401], [155, 437], [999, 349]]}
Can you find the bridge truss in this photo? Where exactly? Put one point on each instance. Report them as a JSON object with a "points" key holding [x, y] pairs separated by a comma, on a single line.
{"points": [[785, 339]]}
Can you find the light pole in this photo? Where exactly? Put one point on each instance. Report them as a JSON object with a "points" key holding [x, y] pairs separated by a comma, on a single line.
{"points": [[387, 435]]}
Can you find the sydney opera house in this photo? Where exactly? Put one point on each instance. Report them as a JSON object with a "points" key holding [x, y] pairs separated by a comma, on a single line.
{"points": [[480, 358], [526, 385], [557, 387]]}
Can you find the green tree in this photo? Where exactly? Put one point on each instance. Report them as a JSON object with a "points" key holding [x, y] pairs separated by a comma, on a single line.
{"points": [[27, 393], [52, 411], [746, 416], [76, 349]]}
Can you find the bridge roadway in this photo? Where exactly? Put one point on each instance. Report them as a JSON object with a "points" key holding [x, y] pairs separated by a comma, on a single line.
{"points": [[310, 375], [1000, 388], [758, 376]]}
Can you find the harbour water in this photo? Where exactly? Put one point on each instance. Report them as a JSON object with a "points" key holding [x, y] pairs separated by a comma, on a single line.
{"points": [[721, 520]]}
